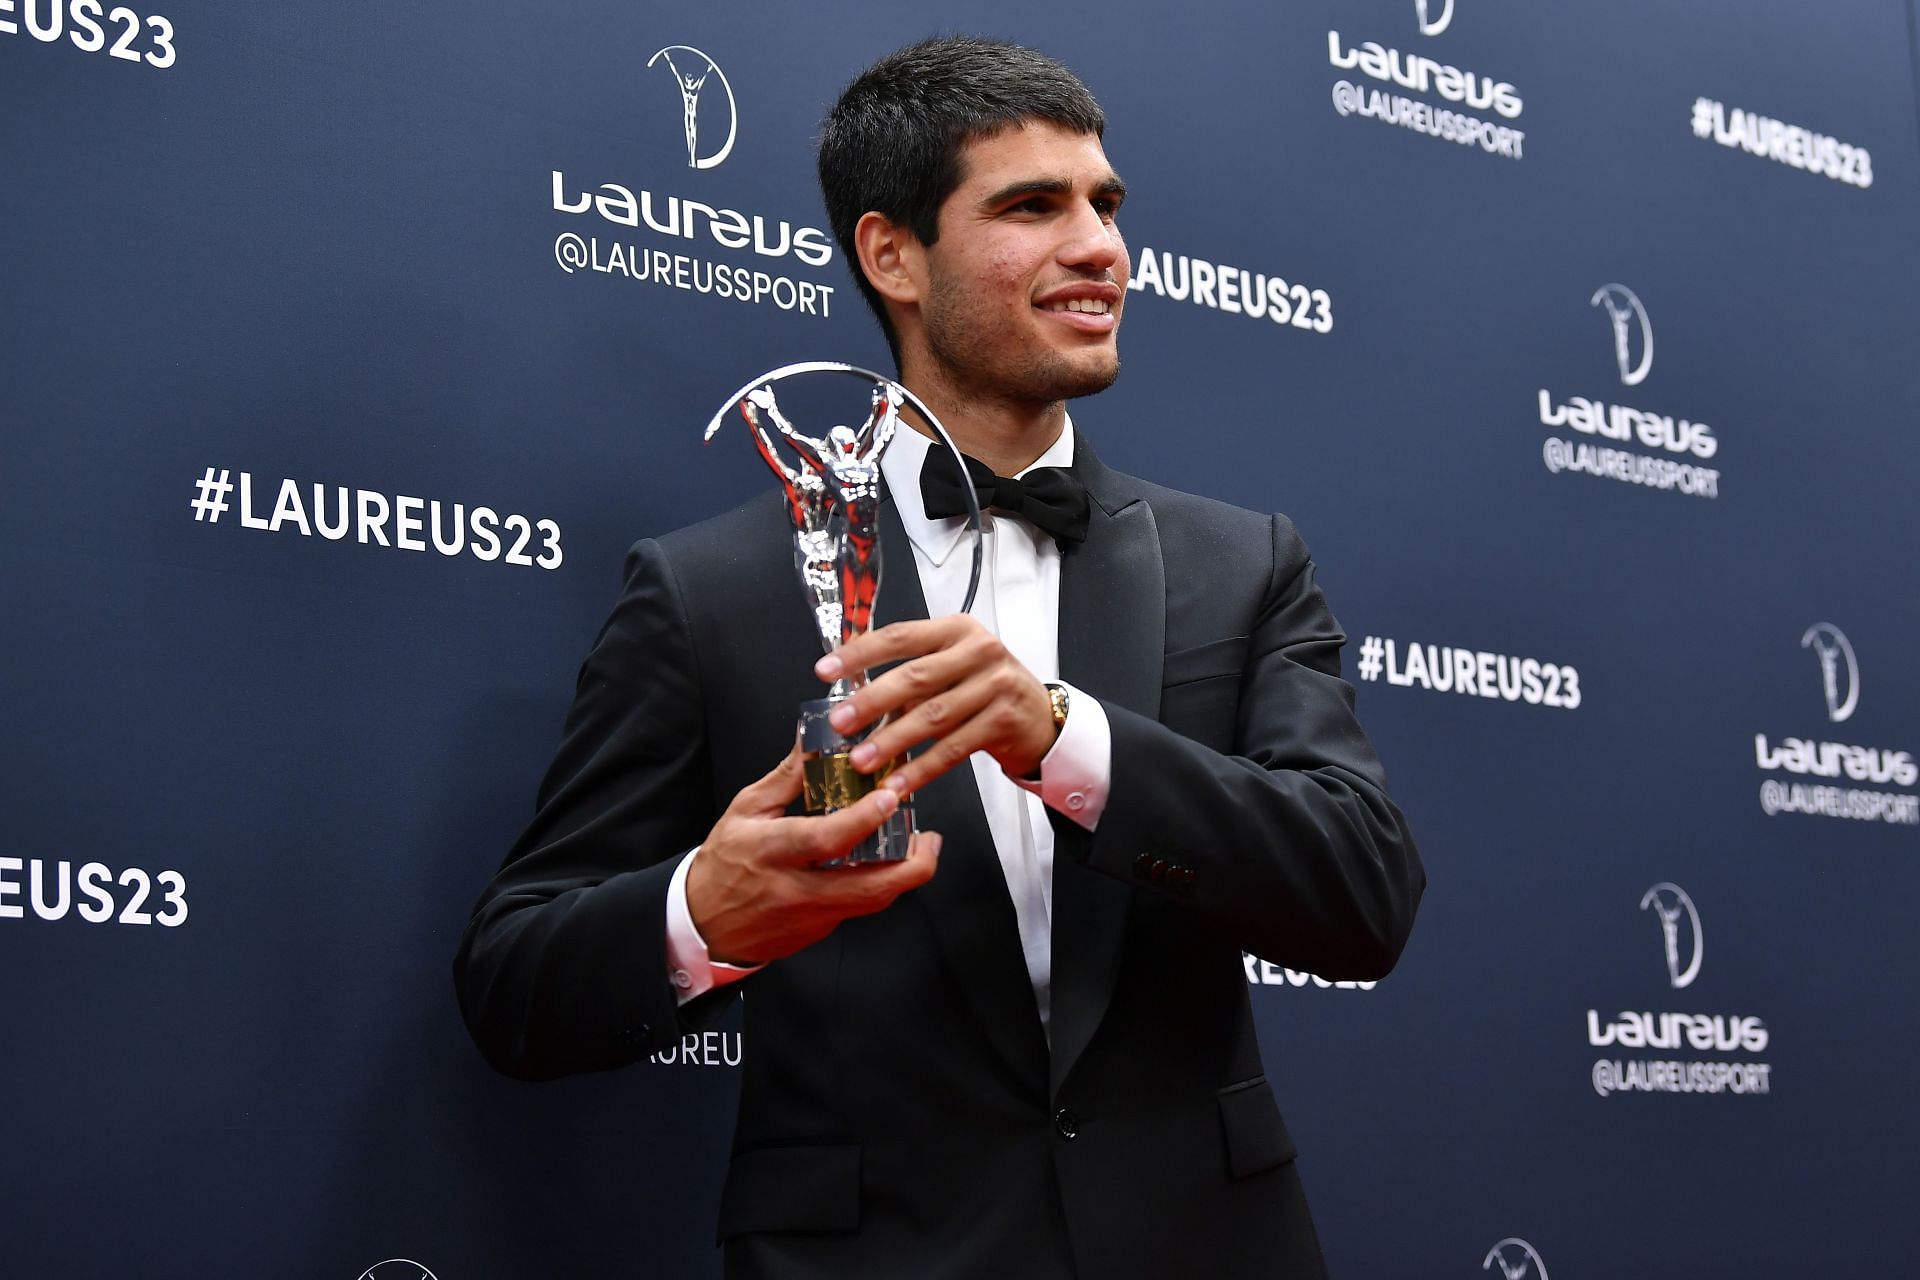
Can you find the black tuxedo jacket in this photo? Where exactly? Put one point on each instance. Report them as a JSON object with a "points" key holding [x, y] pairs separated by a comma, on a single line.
{"points": [[901, 1111]]}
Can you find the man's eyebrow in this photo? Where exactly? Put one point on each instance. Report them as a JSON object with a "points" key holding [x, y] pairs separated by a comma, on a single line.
{"points": [[1014, 191], [1027, 187]]}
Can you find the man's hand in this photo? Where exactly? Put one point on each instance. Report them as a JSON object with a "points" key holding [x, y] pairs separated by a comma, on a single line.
{"points": [[753, 890], [958, 686]]}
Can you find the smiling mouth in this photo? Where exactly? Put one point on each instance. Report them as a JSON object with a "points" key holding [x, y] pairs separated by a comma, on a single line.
{"points": [[1086, 306]]}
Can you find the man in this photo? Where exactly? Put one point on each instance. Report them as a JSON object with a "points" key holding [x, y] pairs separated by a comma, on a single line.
{"points": [[1039, 1061]]}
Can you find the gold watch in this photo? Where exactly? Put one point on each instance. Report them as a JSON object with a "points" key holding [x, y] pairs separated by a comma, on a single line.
{"points": [[1057, 701]]}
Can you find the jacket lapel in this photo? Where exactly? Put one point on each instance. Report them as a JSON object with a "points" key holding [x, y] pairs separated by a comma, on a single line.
{"points": [[1112, 639], [966, 902], [1113, 602]]}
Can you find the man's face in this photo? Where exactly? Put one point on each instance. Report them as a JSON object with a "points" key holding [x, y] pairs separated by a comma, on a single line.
{"points": [[1027, 279]]}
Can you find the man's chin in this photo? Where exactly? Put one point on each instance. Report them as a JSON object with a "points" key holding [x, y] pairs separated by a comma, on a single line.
{"points": [[1092, 382]]}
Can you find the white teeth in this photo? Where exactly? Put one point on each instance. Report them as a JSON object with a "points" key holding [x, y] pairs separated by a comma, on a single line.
{"points": [[1090, 306]]}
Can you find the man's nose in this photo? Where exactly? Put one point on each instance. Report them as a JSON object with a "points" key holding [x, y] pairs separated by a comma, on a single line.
{"points": [[1093, 242]]}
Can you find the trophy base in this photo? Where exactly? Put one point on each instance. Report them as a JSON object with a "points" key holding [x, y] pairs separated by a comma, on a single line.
{"points": [[833, 783]]}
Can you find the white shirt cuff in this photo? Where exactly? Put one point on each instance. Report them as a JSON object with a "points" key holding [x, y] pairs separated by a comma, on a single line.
{"points": [[689, 967], [1075, 774]]}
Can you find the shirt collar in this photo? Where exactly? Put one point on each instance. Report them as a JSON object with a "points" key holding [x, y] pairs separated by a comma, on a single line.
{"points": [[901, 464]]}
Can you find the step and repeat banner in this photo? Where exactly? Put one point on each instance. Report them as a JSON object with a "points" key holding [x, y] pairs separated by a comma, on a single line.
{"points": [[345, 348]]}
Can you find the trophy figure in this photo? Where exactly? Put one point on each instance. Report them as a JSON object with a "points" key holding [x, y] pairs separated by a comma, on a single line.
{"points": [[833, 502]]}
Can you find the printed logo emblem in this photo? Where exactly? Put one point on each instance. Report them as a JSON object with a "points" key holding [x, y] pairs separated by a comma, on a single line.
{"points": [[1836, 779], [397, 1269], [1430, 26], [1829, 643], [691, 71], [1671, 903], [1631, 445], [1518, 1260], [1668, 1050], [1461, 92], [1626, 313]]}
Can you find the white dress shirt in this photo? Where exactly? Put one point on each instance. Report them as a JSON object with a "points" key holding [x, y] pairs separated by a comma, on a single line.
{"points": [[1019, 601]]}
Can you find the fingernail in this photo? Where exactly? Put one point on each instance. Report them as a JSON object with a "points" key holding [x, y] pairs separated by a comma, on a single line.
{"points": [[933, 844], [887, 801], [828, 668], [863, 755], [895, 783], [841, 717]]}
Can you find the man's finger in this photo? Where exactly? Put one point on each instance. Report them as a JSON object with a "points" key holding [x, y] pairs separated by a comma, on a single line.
{"points": [[870, 888], [779, 787], [906, 686], [890, 643], [804, 842], [940, 756], [939, 715]]}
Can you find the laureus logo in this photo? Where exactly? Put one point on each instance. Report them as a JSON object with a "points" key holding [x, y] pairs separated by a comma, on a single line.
{"points": [[1839, 669], [397, 1269], [692, 70], [1518, 1260], [1430, 25], [1672, 905], [1627, 316]]}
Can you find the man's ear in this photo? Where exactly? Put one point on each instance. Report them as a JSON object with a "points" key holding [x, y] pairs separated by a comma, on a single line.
{"points": [[892, 257]]}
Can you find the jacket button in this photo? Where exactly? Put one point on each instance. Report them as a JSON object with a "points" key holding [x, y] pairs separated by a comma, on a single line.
{"points": [[1158, 873], [1182, 878], [1066, 1124], [1143, 865]]}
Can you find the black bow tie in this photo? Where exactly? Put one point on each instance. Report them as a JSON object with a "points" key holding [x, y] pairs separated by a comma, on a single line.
{"points": [[1052, 499]]}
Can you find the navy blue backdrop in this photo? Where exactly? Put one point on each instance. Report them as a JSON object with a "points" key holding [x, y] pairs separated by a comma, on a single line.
{"points": [[345, 348]]}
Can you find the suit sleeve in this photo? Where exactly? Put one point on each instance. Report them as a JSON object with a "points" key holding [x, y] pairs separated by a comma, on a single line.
{"points": [[563, 965], [1291, 843]]}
